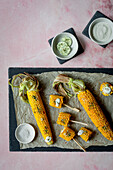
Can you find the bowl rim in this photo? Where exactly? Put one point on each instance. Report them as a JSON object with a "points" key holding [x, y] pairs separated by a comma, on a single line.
{"points": [[64, 33], [98, 20], [25, 124]]}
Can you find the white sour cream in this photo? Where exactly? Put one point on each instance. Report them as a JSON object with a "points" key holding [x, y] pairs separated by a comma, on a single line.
{"points": [[57, 101], [106, 90], [48, 139], [101, 31], [80, 132]]}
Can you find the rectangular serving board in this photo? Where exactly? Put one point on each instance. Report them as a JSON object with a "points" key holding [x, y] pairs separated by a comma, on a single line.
{"points": [[14, 144]]}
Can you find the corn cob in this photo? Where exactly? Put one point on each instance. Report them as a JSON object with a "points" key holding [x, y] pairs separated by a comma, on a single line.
{"points": [[95, 113], [39, 112], [88, 101], [85, 133], [29, 93], [63, 119], [67, 134], [106, 89], [56, 101]]}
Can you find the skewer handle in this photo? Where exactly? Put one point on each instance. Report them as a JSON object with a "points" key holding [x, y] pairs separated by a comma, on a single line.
{"points": [[79, 145], [75, 109], [74, 121]]}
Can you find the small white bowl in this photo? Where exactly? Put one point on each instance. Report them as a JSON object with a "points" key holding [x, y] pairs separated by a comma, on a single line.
{"points": [[92, 27], [25, 133], [74, 46]]}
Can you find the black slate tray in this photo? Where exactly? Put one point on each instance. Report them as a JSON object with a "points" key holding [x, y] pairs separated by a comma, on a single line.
{"points": [[13, 143], [97, 14], [80, 48]]}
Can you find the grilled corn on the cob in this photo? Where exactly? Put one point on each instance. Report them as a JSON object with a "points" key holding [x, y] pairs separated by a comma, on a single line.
{"points": [[56, 101], [63, 119], [95, 113], [39, 112], [85, 133], [106, 89], [67, 134]]}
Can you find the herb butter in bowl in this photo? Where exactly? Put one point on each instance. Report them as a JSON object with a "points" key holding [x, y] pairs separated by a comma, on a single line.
{"points": [[25, 133], [64, 46], [101, 31]]}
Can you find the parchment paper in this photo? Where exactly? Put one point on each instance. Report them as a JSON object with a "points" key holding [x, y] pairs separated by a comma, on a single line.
{"points": [[92, 81]]}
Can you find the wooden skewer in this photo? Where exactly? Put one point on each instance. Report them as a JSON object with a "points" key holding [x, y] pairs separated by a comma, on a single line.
{"points": [[74, 121], [79, 145], [75, 109]]}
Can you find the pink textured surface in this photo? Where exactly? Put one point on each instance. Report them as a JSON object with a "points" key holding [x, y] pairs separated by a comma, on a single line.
{"points": [[25, 27]]}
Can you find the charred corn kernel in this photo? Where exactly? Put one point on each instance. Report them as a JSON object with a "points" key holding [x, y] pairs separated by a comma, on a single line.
{"points": [[85, 133], [63, 119], [106, 89], [56, 101], [40, 115], [67, 134], [95, 113]]}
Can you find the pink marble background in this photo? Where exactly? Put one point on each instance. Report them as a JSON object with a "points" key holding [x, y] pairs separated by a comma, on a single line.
{"points": [[25, 27]]}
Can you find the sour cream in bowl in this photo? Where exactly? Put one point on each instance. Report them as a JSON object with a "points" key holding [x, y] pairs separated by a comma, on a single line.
{"points": [[101, 31]]}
